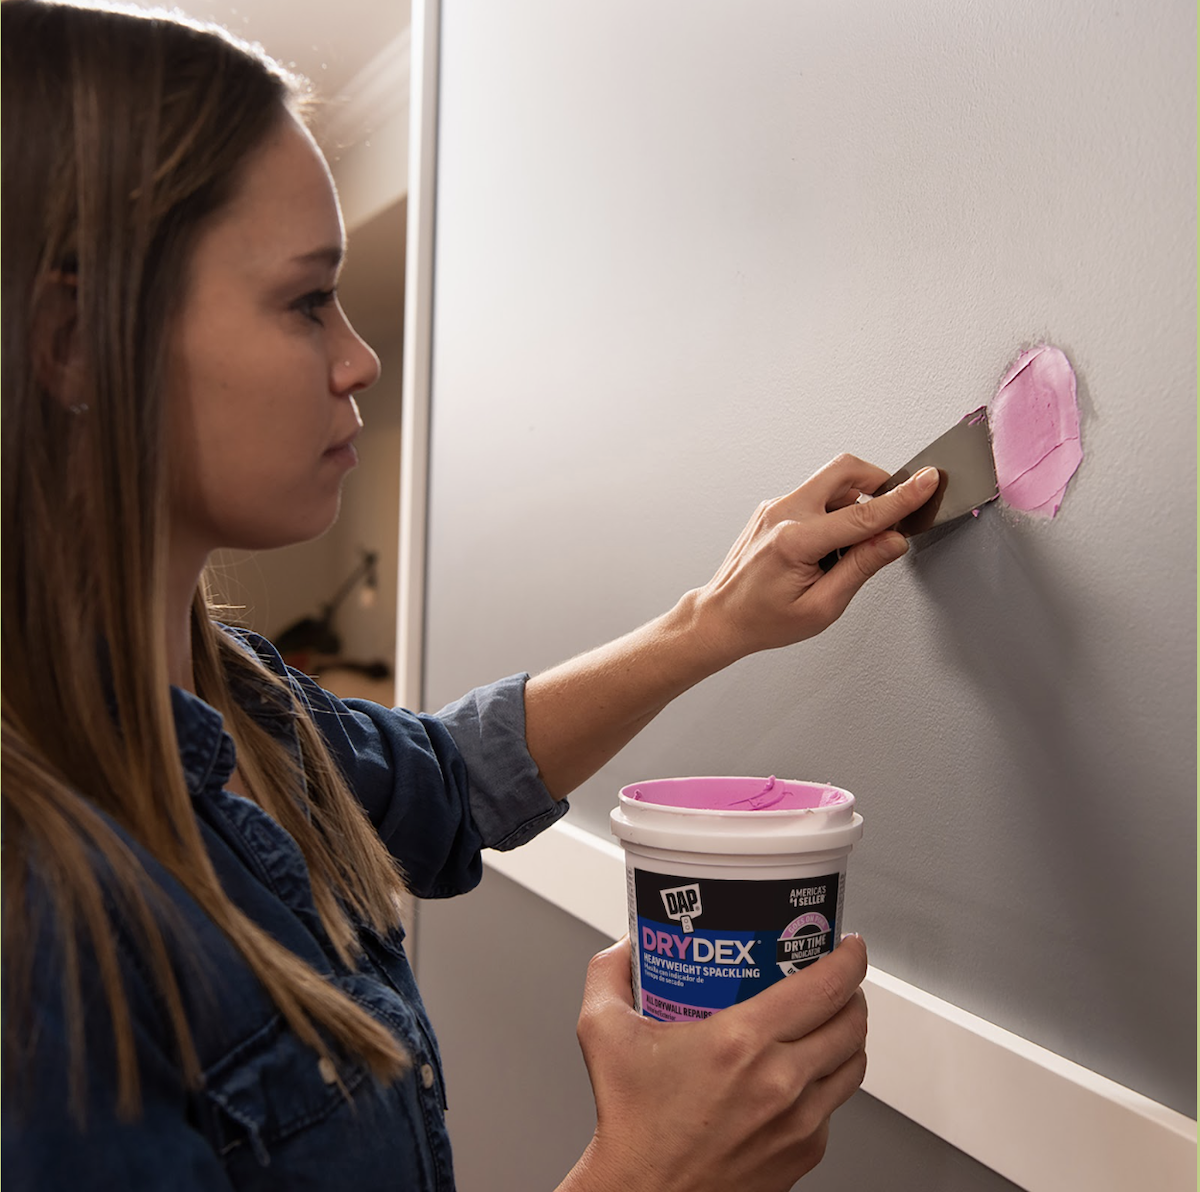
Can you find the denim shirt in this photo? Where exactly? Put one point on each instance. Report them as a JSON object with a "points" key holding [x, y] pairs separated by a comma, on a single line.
{"points": [[269, 1113]]}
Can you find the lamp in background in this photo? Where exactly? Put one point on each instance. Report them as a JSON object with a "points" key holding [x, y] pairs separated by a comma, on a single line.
{"points": [[310, 636]]}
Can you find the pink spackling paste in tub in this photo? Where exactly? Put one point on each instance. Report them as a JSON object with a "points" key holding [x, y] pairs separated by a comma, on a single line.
{"points": [[733, 884]]}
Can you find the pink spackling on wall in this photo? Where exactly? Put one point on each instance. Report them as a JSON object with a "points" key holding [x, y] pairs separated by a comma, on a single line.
{"points": [[1035, 431]]}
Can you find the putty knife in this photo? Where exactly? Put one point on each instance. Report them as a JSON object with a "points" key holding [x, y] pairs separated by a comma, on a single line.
{"points": [[967, 478]]}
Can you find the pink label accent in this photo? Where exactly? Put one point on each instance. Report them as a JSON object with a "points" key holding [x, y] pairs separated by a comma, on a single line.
{"points": [[667, 1011], [812, 919]]}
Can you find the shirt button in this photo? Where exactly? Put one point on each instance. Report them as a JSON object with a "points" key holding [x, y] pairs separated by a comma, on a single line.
{"points": [[427, 1075], [326, 1068]]}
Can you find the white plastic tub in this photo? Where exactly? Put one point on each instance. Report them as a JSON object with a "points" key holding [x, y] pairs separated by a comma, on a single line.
{"points": [[733, 883]]}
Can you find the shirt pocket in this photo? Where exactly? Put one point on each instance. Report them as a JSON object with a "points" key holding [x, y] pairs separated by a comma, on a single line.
{"points": [[272, 1086]]}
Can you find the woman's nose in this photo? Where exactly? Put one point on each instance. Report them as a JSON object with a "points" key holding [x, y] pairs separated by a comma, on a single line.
{"points": [[356, 366]]}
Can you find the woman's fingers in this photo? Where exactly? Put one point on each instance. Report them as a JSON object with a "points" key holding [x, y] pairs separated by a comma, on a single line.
{"points": [[826, 513], [837, 1087], [835, 1043], [770, 1070], [795, 1007], [836, 485], [832, 593], [851, 524], [830, 484], [850, 497]]}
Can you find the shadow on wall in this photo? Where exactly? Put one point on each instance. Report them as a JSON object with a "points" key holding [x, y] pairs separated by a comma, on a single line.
{"points": [[1010, 629]]}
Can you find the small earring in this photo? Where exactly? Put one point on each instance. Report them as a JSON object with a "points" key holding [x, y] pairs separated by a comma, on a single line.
{"points": [[81, 408]]}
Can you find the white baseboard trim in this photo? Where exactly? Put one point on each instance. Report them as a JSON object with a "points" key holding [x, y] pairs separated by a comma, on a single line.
{"points": [[1045, 1123]]}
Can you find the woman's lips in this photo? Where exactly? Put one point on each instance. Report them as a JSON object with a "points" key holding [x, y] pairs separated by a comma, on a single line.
{"points": [[344, 452]]}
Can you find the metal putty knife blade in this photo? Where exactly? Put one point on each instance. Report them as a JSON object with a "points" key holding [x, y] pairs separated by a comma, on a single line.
{"points": [[967, 471], [963, 458]]}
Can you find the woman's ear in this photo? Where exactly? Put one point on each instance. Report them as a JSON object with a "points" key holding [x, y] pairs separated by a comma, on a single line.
{"points": [[56, 355]]}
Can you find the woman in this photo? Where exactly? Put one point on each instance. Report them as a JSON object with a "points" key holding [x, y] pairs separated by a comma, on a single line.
{"points": [[204, 980]]}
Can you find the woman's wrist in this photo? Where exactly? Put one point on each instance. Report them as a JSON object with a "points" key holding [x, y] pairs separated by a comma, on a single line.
{"points": [[597, 1172], [713, 640]]}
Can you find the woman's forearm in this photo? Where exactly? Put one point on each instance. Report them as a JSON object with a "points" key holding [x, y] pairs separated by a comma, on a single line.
{"points": [[770, 591], [583, 712]]}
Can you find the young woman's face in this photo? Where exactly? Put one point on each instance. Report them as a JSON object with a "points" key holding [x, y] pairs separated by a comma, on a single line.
{"points": [[265, 364]]}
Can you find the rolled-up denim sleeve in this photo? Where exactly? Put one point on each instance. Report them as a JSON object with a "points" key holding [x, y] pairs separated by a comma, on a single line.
{"points": [[509, 802], [438, 788]]}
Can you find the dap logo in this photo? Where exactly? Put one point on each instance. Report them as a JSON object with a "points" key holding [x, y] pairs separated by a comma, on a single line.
{"points": [[683, 905]]}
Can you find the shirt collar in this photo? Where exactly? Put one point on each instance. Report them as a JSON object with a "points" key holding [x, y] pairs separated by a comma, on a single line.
{"points": [[205, 748]]}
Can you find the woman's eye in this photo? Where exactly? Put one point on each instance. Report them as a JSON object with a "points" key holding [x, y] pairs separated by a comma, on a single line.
{"points": [[311, 304]]}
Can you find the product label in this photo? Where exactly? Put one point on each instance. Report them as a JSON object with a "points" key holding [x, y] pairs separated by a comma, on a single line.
{"points": [[703, 944]]}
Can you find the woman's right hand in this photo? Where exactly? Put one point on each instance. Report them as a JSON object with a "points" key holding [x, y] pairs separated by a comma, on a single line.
{"points": [[738, 1100]]}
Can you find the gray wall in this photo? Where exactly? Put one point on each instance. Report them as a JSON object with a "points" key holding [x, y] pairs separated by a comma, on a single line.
{"points": [[688, 252]]}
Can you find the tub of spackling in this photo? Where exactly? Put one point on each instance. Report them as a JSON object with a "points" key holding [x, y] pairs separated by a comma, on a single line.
{"points": [[733, 884]]}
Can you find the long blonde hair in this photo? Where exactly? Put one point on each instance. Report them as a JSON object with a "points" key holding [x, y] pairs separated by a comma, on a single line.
{"points": [[122, 133]]}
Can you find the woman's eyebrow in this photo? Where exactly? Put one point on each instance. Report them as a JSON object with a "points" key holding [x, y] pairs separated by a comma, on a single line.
{"points": [[331, 255]]}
